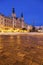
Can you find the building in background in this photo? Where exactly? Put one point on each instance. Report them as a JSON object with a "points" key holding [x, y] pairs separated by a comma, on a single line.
{"points": [[13, 21]]}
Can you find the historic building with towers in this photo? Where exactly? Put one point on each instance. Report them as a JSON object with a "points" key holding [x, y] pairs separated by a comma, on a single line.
{"points": [[12, 21]]}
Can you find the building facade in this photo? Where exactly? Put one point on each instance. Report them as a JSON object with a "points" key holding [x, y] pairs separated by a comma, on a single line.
{"points": [[13, 21]]}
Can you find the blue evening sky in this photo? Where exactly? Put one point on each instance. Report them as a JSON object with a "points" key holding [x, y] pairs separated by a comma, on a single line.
{"points": [[32, 10]]}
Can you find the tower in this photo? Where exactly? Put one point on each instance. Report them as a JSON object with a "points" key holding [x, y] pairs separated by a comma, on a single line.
{"points": [[22, 20], [14, 17], [13, 13]]}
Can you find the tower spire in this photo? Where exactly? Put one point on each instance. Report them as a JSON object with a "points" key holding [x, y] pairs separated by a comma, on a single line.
{"points": [[13, 13], [22, 19], [14, 17], [13, 10], [22, 14]]}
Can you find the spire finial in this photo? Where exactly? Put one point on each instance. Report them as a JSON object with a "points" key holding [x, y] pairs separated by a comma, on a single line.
{"points": [[13, 10], [22, 14]]}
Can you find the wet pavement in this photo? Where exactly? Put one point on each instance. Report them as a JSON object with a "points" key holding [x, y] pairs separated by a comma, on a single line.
{"points": [[21, 49]]}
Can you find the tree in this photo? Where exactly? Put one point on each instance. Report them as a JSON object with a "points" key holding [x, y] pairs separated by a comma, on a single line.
{"points": [[33, 29], [24, 29]]}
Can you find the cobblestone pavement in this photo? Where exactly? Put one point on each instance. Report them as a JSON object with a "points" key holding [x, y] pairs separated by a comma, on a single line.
{"points": [[21, 49]]}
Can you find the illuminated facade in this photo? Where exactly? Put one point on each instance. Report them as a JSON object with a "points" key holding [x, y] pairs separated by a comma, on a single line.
{"points": [[12, 21]]}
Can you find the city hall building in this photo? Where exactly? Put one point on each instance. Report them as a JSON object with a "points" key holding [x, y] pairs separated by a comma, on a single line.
{"points": [[13, 21]]}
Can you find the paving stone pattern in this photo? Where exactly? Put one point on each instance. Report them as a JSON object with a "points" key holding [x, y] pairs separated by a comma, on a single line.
{"points": [[21, 50]]}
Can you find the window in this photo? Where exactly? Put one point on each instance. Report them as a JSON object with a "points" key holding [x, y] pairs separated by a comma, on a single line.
{"points": [[1, 18], [2, 22]]}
